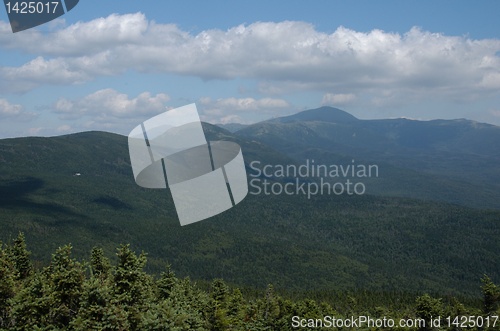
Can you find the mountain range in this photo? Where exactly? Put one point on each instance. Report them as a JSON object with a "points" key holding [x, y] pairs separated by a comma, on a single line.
{"points": [[430, 220], [443, 160]]}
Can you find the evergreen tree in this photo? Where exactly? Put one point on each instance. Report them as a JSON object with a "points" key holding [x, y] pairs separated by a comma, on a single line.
{"points": [[51, 298], [100, 265], [271, 303], [219, 293], [236, 309], [179, 306], [65, 276], [132, 287], [166, 283], [98, 310], [31, 306], [491, 295], [124, 297], [8, 276], [428, 308], [20, 255]]}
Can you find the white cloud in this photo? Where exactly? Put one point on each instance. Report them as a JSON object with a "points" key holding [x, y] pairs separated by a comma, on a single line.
{"points": [[110, 104], [364, 70], [283, 57], [338, 99], [491, 81], [40, 71], [108, 110], [14, 111], [9, 110], [78, 39]]}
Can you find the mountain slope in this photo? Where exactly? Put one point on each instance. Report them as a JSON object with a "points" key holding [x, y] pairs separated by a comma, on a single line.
{"points": [[453, 161], [337, 242], [322, 114]]}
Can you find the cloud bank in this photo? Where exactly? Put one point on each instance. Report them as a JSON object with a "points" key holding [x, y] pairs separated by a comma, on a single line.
{"points": [[346, 68], [283, 57]]}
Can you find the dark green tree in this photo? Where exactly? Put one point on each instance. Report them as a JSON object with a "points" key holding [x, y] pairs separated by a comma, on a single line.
{"points": [[179, 305], [166, 283], [428, 308], [219, 293], [31, 306], [132, 287], [98, 309], [99, 263], [51, 298], [65, 276], [491, 295], [8, 276], [20, 255], [236, 309]]}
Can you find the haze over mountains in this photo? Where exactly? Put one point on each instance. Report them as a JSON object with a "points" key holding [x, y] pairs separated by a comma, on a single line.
{"points": [[446, 160], [429, 222]]}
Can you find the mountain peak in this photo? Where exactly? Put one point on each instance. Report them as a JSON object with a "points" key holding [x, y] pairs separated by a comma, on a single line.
{"points": [[323, 114]]}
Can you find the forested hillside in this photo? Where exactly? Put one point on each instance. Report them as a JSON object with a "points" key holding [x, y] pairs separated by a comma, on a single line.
{"points": [[95, 294], [324, 243]]}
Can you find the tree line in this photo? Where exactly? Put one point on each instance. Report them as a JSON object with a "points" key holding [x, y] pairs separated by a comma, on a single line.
{"points": [[96, 294]]}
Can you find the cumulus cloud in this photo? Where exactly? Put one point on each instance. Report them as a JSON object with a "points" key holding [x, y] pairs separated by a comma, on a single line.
{"points": [[78, 39], [9, 110], [111, 110], [283, 57], [108, 104], [40, 71], [14, 111]]}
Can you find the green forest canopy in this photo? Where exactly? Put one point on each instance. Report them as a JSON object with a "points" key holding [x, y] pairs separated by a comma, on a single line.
{"points": [[98, 295]]}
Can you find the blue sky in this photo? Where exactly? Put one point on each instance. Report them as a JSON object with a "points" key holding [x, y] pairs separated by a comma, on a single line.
{"points": [[109, 64]]}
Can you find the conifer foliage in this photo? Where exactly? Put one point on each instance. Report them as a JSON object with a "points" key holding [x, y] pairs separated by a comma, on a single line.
{"points": [[100, 295]]}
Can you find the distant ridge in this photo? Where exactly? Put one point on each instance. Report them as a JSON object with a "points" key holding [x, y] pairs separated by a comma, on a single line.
{"points": [[442, 160], [232, 127], [322, 114]]}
